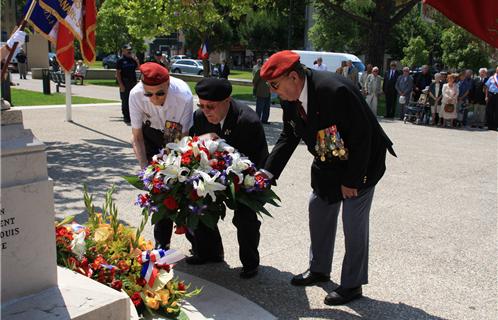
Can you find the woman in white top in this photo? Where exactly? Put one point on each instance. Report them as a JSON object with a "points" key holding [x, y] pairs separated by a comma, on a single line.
{"points": [[449, 100]]}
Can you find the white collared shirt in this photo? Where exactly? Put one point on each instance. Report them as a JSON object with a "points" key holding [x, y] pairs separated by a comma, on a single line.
{"points": [[303, 97], [178, 107]]}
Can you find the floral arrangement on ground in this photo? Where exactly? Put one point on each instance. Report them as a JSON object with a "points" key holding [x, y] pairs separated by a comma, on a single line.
{"points": [[117, 255]]}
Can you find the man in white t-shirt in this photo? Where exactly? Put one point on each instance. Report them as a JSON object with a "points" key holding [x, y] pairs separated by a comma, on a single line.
{"points": [[161, 110]]}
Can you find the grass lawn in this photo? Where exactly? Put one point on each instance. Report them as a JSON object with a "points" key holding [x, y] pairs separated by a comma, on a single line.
{"points": [[102, 82], [96, 65], [238, 92], [239, 74], [22, 97]]}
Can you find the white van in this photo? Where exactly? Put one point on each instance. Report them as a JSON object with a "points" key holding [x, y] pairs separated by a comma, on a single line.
{"points": [[331, 59]]}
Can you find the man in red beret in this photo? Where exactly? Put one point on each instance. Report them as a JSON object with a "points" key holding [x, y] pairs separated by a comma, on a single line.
{"points": [[161, 109], [329, 113]]}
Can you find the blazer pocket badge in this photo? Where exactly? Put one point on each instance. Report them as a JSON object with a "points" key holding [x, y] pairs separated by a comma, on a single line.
{"points": [[172, 131], [329, 144]]}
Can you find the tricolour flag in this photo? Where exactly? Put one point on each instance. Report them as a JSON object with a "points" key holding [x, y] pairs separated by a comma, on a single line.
{"points": [[203, 51], [62, 21]]}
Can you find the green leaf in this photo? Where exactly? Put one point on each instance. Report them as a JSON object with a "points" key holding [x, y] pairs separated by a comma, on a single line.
{"points": [[135, 181], [210, 220], [157, 216]]}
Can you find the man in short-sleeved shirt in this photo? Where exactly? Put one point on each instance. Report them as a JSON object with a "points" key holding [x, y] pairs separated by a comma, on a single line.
{"points": [[492, 101], [161, 110], [127, 79]]}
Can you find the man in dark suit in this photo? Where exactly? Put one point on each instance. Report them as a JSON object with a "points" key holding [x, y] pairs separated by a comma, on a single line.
{"points": [[331, 116], [390, 78], [221, 116], [224, 70]]}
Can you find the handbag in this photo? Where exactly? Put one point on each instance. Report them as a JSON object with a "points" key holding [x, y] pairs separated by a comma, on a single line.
{"points": [[402, 99], [449, 107]]}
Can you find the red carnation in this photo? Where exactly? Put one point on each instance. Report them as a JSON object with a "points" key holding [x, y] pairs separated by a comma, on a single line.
{"points": [[181, 286], [170, 203], [141, 282], [181, 230], [136, 298], [117, 285]]}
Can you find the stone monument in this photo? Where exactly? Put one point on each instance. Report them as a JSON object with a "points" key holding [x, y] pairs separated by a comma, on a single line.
{"points": [[32, 286]]}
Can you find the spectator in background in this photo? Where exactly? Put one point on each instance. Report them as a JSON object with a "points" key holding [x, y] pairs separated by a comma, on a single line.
{"points": [[127, 78], [340, 70], [224, 70], [464, 88], [351, 72], [404, 87], [257, 66], [492, 101], [449, 100], [444, 77], [320, 65], [389, 88], [373, 89], [22, 64], [158, 58], [80, 71], [422, 81], [435, 95], [478, 98], [263, 97], [363, 79]]}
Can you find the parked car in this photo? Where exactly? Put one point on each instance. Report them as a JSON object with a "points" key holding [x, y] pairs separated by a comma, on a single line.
{"points": [[187, 66], [109, 62], [177, 57]]}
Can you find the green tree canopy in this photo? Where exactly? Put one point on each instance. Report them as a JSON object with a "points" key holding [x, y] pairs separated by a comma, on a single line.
{"points": [[416, 53], [461, 50], [264, 30]]}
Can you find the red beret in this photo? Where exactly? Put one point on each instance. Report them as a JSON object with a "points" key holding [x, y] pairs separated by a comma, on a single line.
{"points": [[278, 64], [153, 74]]}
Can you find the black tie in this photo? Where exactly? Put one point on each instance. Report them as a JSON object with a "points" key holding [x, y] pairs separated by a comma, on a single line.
{"points": [[302, 112]]}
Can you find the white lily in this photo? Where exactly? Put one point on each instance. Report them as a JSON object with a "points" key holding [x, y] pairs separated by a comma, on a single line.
{"points": [[207, 185], [173, 169], [238, 165], [204, 163], [249, 181], [159, 156], [181, 146]]}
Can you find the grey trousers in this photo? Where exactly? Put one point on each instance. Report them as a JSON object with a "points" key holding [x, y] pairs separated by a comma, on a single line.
{"points": [[323, 225]]}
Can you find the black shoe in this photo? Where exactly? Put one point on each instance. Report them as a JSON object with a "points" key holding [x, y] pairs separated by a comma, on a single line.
{"points": [[248, 273], [196, 260], [343, 295], [309, 278]]}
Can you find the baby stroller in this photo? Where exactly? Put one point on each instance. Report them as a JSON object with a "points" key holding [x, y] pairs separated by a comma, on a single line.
{"points": [[420, 111]]}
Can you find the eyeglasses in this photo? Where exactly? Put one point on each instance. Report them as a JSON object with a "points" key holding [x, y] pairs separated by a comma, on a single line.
{"points": [[210, 107], [275, 85], [159, 93]]}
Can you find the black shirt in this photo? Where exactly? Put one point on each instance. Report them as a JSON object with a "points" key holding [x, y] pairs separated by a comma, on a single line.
{"points": [[127, 66], [21, 57]]}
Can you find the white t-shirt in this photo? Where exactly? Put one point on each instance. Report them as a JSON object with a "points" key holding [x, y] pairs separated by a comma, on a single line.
{"points": [[178, 107]]}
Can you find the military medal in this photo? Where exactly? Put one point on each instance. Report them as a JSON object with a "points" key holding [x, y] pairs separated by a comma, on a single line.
{"points": [[329, 144]]}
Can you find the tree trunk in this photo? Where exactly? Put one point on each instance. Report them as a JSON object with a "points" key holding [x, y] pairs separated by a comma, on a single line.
{"points": [[379, 32], [207, 67]]}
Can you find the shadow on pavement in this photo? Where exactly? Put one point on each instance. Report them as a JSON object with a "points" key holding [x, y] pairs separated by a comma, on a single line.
{"points": [[271, 289], [97, 164]]}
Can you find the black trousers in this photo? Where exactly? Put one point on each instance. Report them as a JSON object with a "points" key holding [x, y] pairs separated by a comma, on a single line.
{"points": [[125, 97], [207, 243], [390, 104], [492, 111]]}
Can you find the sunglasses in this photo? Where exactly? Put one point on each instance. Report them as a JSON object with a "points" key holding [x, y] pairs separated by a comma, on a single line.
{"points": [[276, 84], [159, 93], [210, 107]]}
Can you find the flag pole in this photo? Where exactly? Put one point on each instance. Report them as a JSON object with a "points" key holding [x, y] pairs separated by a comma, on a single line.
{"points": [[69, 116], [14, 47]]}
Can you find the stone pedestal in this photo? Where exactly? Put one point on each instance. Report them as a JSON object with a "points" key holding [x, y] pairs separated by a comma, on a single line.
{"points": [[28, 263], [33, 287]]}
